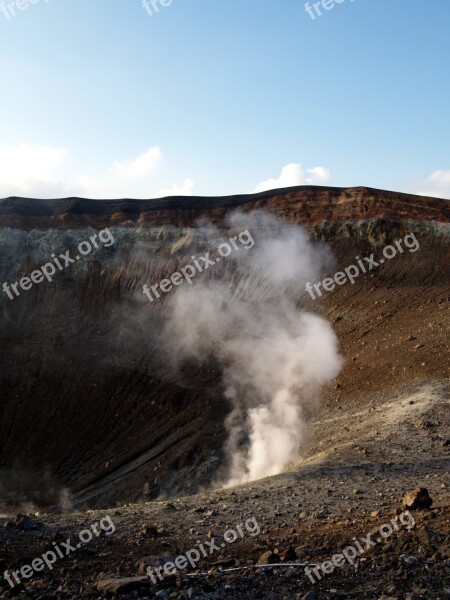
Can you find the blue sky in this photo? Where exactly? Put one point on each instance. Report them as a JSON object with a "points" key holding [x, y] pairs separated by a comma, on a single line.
{"points": [[214, 97]]}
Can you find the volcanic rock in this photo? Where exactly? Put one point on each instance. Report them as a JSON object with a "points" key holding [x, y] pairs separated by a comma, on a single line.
{"points": [[269, 558], [416, 499]]}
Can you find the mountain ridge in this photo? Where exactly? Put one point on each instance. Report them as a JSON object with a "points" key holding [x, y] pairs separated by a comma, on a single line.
{"points": [[307, 204]]}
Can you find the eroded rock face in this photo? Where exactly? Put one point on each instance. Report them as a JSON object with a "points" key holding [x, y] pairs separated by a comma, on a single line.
{"points": [[87, 400]]}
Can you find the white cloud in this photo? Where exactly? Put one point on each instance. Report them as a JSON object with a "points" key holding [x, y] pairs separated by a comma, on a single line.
{"points": [[294, 174], [89, 187], [26, 168], [125, 177], [436, 185], [176, 190], [142, 166]]}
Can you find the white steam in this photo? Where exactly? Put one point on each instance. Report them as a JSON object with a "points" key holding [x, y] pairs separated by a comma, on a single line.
{"points": [[274, 356]]}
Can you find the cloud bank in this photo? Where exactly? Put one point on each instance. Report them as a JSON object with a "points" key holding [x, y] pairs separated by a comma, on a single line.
{"points": [[40, 171]]}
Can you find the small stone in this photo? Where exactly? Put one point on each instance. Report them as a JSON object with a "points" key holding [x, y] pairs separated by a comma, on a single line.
{"points": [[311, 595], [121, 586], [25, 523], [418, 498], [269, 558], [148, 531], [289, 556], [411, 561]]}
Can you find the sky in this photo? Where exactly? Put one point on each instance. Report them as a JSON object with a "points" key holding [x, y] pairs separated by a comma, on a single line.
{"points": [[112, 99]]}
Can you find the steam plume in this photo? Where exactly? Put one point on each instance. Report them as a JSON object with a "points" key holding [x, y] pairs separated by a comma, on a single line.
{"points": [[274, 357]]}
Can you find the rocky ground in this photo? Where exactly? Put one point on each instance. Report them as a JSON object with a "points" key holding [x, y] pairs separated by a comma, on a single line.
{"points": [[360, 463]]}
